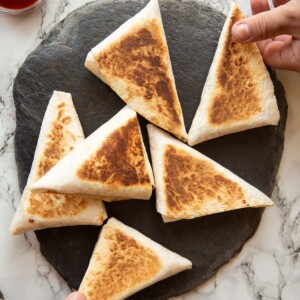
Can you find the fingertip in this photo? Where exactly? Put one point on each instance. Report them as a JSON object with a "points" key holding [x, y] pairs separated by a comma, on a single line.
{"points": [[272, 57], [284, 38], [76, 296], [261, 45]]}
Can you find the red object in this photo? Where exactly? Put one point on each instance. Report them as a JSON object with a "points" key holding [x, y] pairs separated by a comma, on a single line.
{"points": [[17, 4]]}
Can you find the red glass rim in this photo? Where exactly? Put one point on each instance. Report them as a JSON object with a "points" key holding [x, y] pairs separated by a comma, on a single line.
{"points": [[18, 6]]}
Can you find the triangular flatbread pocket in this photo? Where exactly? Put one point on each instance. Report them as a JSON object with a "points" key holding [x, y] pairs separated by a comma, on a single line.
{"points": [[125, 261], [60, 133], [134, 61], [111, 163], [190, 185], [238, 92]]}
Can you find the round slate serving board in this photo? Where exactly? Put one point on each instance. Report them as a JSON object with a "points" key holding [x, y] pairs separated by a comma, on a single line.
{"points": [[192, 31]]}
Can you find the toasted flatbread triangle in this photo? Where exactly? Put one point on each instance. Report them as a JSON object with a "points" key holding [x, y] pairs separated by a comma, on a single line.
{"points": [[111, 163], [134, 61], [190, 185], [60, 133], [238, 93], [125, 261]]}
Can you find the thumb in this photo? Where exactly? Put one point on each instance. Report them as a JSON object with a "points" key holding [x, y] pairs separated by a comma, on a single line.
{"points": [[76, 296], [281, 20]]}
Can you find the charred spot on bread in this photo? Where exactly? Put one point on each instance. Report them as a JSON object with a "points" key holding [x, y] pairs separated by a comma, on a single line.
{"points": [[50, 206], [121, 265], [191, 184], [56, 147], [237, 95], [120, 159], [140, 60]]}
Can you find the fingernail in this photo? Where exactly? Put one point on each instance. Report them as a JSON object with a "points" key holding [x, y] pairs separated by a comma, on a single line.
{"points": [[241, 32]]}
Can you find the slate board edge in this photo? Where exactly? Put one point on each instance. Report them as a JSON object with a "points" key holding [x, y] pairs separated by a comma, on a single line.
{"points": [[214, 271]]}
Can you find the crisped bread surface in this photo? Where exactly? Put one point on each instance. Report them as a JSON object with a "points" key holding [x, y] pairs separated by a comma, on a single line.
{"points": [[134, 61], [60, 133], [194, 186], [60, 141], [238, 94], [140, 60], [119, 264], [120, 160]]}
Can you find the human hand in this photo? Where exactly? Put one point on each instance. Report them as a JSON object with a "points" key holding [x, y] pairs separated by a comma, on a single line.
{"points": [[76, 296], [277, 32]]}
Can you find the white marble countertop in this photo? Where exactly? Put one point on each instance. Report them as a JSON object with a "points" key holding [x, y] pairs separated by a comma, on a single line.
{"points": [[268, 267]]}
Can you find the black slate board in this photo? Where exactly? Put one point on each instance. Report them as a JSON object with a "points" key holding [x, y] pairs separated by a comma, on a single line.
{"points": [[192, 31]]}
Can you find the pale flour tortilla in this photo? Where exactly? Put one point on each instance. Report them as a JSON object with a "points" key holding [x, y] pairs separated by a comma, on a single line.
{"points": [[238, 93], [111, 163], [134, 61], [125, 261], [60, 132], [190, 185]]}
